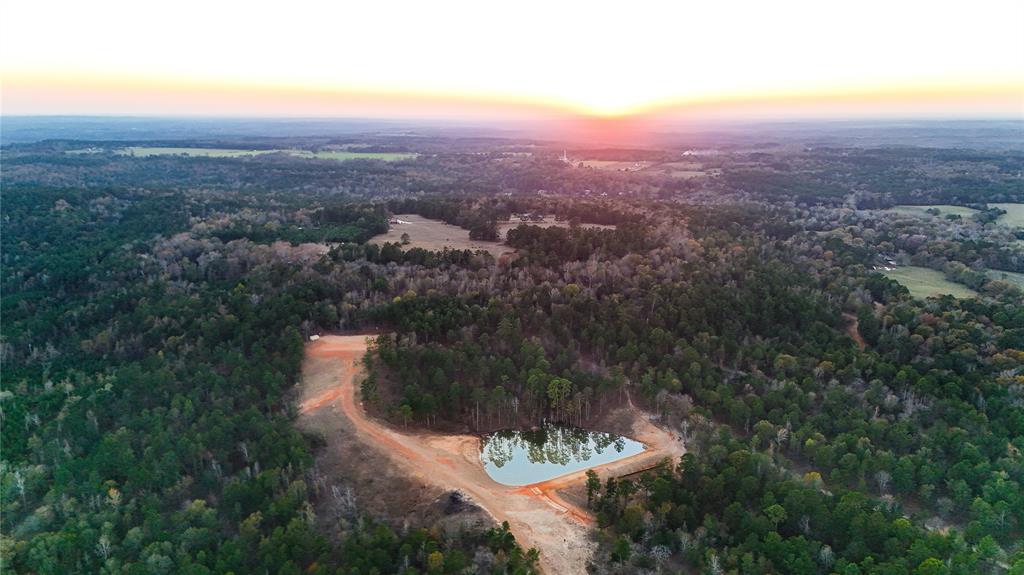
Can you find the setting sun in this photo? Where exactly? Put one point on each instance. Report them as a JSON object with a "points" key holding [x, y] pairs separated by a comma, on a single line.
{"points": [[580, 58], [453, 287]]}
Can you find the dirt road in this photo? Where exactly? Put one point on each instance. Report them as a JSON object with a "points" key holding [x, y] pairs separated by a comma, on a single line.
{"points": [[853, 328], [536, 513]]}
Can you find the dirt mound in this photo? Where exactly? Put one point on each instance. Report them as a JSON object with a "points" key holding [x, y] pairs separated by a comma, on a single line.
{"points": [[455, 502]]}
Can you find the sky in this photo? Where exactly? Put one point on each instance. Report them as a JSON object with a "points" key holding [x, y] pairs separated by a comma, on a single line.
{"points": [[466, 59]]}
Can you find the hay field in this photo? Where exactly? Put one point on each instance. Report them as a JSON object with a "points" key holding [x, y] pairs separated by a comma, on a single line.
{"points": [[926, 282], [1014, 214], [435, 235], [145, 151], [547, 222], [944, 210]]}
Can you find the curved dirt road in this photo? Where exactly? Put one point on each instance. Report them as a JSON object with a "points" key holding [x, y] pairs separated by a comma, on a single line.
{"points": [[538, 517]]}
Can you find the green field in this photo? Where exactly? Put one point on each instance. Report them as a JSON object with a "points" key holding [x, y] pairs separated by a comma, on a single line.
{"points": [[386, 156], [926, 282], [1015, 278], [144, 151], [197, 152], [1014, 214], [944, 210]]}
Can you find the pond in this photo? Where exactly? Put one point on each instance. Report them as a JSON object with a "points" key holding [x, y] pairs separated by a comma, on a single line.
{"points": [[515, 457]]}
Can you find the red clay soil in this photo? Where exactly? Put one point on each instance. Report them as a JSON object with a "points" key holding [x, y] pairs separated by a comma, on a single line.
{"points": [[853, 328], [537, 515]]}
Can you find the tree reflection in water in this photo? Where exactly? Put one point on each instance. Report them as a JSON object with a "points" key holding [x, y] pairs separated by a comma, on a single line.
{"points": [[545, 452]]}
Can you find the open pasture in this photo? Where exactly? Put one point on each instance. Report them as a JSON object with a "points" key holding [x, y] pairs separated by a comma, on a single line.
{"points": [[926, 282], [944, 210], [145, 151], [1014, 214], [351, 155], [684, 169], [434, 235], [616, 165], [547, 222], [1014, 278]]}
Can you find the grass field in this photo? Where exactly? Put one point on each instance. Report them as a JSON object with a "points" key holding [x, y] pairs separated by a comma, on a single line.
{"points": [[547, 222], [687, 173], [232, 153], [944, 210], [349, 155], [145, 151], [1014, 214], [616, 165], [926, 282], [684, 169], [672, 169], [435, 235], [1015, 278]]}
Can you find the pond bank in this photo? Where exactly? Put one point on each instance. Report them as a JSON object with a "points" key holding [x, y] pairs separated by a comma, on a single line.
{"points": [[536, 513]]}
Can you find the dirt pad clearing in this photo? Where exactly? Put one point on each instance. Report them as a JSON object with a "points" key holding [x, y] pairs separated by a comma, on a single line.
{"points": [[435, 235], [536, 514]]}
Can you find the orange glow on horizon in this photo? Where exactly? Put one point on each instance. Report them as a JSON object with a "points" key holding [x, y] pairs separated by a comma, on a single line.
{"points": [[464, 59], [103, 95], [49, 95]]}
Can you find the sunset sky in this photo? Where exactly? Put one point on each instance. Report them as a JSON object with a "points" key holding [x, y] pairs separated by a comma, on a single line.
{"points": [[480, 59]]}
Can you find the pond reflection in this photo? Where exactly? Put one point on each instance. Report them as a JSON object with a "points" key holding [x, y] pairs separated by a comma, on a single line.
{"points": [[514, 457]]}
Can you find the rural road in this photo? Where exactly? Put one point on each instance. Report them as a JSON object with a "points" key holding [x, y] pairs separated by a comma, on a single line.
{"points": [[536, 514]]}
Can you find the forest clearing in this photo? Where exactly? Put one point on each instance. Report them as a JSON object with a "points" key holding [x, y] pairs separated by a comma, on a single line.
{"points": [[942, 209], [537, 515], [146, 151], [926, 282], [435, 235], [1014, 216], [432, 234], [545, 222]]}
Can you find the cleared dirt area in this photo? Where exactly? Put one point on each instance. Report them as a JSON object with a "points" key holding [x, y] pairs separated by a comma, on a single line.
{"points": [[346, 485], [537, 514], [435, 235], [853, 328]]}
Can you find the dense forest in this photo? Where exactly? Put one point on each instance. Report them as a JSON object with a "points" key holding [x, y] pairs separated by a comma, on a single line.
{"points": [[147, 426], [155, 312]]}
